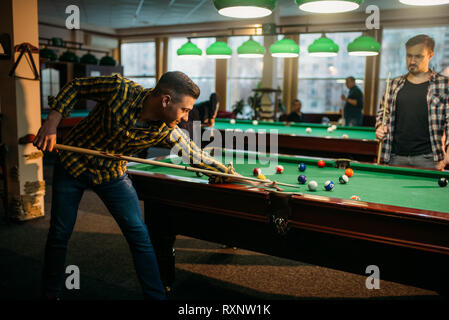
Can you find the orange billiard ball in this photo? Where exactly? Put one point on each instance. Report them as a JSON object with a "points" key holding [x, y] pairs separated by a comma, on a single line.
{"points": [[349, 172]]}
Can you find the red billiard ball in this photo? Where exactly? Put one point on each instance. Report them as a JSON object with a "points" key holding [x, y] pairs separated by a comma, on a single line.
{"points": [[257, 171], [355, 198], [321, 164], [349, 172], [279, 169]]}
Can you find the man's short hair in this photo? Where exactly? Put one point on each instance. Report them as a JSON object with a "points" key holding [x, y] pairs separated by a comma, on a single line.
{"points": [[297, 100], [351, 78], [176, 84], [421, 38]]}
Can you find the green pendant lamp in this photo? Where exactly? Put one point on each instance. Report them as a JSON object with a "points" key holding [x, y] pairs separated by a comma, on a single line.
{"points": [[47, 53], [107, 61], [364, 46], [89, 58], [251, 49], [245, 8], [424, 2], [284, 48], [189, 50], [69, 56], [328, 6], [323, 47], [219, 50]]}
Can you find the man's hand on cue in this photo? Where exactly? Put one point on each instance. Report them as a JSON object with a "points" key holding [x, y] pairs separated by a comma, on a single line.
{"points": [[443, 163], [46, 136], [381, 132]]}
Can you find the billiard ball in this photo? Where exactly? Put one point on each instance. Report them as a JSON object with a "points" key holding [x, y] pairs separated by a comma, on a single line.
{"points": [[302, 179], [279, 169], [442, 182], [309, 130], [349, 172], [334, 127], [261, 177], [199, 174], [355, 198], [321, 164], [232, 121], [343, 179], [255, 122], [330, 129], [345, 136], [313, 185], [257, 171], [302, 167], [329, 185]]}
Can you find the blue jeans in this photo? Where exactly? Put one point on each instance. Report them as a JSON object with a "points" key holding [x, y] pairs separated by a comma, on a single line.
{"points": [[120, 198]]}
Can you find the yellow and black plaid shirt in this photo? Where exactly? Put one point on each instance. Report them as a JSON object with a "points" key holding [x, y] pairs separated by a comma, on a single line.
{"points": [[112, 127]]}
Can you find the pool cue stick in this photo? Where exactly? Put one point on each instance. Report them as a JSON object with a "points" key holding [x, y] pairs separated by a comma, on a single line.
{"points": [[383, 116], [163, 164]]}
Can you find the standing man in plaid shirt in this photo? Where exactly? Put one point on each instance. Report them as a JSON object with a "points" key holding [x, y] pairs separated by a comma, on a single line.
{"points": [[417, 115], [126, 119]]}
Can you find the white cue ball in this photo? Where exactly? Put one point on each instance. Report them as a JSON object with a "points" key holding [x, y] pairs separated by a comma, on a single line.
{"points": [[330, 129], [345, 136], [255, 122], [334, 127], [313, 185], [309, 130], [232, 121]]}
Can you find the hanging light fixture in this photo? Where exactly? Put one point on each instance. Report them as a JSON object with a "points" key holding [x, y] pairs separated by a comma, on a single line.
{"points": [[424, 2], [328, 6], [245, 8], [323, 47], [219, 50], [189, 50], [284, 48], [251, 49], [364, 46]]}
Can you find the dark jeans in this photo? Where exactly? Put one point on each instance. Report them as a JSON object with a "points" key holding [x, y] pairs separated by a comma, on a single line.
{"points": [[420, 161], [120, 198]]}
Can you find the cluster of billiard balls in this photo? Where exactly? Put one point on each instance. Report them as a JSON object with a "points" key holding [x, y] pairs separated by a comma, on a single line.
{"points": [[328, 185], [312, 185]]}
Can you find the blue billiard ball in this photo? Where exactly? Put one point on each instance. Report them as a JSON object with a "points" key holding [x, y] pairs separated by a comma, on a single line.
{"points": [[329, 185], [302, 179], [302, 167]]}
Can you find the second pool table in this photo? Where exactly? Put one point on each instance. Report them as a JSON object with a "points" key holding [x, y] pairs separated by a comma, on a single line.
{"points": [[361, 143]]}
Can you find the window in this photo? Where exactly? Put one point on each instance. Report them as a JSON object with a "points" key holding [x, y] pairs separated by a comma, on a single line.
{"points": [[321, 80], [244, 74], [139, 63], [200, 70], [393, 53], [50, 85]]}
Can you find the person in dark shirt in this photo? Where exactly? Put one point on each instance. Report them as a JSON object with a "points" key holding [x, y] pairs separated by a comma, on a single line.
{"points": [[205, 112], [354, 104], [296, 115], [416, 112]]}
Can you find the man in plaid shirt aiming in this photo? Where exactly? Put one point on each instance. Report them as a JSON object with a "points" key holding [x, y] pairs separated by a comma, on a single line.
{"points": [[126, 119], [417, 112]]}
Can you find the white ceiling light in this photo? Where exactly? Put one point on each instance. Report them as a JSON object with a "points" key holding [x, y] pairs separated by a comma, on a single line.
{"points": [[424, 2]]}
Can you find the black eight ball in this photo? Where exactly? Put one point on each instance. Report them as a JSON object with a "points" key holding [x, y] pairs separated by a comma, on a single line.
{"points": [[442, 182]]}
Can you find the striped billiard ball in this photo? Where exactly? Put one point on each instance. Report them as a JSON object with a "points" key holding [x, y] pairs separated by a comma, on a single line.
{"points": [[329, 185], [343, 179]]}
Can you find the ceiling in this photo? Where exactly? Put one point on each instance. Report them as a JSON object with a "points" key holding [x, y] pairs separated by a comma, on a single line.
{"points": [[118, 14]]}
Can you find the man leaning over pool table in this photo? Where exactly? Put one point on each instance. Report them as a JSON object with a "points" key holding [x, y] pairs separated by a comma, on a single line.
{"points": [[127, 118]]}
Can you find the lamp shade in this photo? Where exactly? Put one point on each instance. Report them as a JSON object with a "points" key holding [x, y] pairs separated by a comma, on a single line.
{"points": [[323, 47], [328, 6], [69, 56], [245, 8], [189, 50], [107, 61], [47, 53], [251, 49], [219, 50], [285, 48], [89, 58], [424, 2], [364, 46]]}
